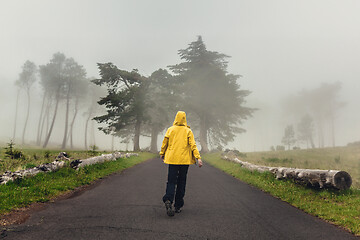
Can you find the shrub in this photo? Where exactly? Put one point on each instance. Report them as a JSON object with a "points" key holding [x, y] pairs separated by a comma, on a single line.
{"points": [[354, 144], [93, 150], [47, 154], [239, 154], [280, 148], [12, 152]]}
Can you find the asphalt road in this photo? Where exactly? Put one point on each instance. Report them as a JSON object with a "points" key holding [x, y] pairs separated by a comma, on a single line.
{"points": [[129, 206]]}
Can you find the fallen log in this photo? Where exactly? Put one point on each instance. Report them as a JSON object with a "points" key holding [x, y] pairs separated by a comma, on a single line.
{"points": [[312, 177], [59, 163], [76, 164], [47, 167]]}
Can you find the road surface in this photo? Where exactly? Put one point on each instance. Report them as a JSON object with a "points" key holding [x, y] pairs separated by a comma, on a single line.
{"points": [[129, 205]]}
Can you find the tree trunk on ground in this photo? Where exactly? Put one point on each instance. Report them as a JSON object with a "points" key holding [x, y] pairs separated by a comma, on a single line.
{"points": [[53, 120], [137, 136], [63, 145], [313, 177], [100, 159], [203, 136], [16, 113], [38, 137], [27, 116], [154, 138]]}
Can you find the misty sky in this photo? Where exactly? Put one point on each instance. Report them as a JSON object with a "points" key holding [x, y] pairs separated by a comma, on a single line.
{"points": [[279, 47]]}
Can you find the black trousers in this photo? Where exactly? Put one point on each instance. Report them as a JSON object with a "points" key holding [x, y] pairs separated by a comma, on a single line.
{"points": [[176, 184]]}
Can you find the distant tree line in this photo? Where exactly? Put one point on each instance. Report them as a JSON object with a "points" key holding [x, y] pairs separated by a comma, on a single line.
{"points": [[200, 85], [134, 105], [63, 82], [316, 111]]}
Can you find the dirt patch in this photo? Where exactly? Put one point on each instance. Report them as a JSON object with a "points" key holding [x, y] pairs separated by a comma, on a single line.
{"points": [[19, 216]]}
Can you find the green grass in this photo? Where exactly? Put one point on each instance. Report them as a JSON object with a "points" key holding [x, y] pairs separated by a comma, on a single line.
{"points": [[337, 158], [46, 186], [339, 207]]}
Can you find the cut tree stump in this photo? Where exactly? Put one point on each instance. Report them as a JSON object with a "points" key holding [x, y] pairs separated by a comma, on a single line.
{"points": [[336, 179]]}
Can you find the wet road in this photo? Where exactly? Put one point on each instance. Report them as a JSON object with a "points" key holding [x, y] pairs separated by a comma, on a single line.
{"points": [[129, 206]]}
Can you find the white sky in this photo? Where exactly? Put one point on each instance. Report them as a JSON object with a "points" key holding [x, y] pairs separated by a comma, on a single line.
{"points": [[278, 46]]}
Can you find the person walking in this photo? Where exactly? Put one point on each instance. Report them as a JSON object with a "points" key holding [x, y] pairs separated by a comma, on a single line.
{"points": [[178, 150]]}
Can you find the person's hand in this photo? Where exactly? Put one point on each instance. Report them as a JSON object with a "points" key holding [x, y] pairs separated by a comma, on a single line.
{"points": [[200, 162], [162, 157]]}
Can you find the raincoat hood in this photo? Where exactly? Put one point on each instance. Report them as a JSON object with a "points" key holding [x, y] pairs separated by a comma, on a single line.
{"points": [[180, 119]]}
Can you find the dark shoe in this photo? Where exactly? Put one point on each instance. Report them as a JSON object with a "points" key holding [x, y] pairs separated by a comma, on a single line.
{"points": [[178, 210], [169, 209]]}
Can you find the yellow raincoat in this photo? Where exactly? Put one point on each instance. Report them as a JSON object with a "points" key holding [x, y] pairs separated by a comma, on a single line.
{"points": [[179, 145]]}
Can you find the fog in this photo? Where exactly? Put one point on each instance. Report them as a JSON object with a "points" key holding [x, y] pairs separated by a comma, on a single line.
{"points": [[280, 48]]}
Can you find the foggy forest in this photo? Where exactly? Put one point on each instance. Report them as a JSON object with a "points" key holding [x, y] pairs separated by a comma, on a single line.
{"points": [[254, 81], [93, 130]]}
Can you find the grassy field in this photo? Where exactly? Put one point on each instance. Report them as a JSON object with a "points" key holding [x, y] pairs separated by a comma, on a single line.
{"points": [[338, 158], [46, 186], [338, 207]]}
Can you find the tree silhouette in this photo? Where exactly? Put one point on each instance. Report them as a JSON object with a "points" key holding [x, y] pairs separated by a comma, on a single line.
{"points": [[52, 75], [73, 74], [94, 94], [163, 98], [322, 104], [289, 136], [125, 102], [306, 130], [26, 79], [212, 94]]}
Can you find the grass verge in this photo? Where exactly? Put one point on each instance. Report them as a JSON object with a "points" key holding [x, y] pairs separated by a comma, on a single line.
{"points": [[336, 158], [46, 186], [33, 157], [341, 208]]}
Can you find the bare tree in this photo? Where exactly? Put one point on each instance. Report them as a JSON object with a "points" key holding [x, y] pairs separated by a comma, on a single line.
{"points": [[26, 80], [93, 96], [16, 108], [306, 131], [289, 136], [53, 73], [79, 94], [73, 73], [322, 104]]}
